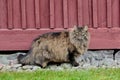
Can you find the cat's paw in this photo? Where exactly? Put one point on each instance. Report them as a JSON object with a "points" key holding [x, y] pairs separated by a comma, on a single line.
{"points": [[75, 64]]}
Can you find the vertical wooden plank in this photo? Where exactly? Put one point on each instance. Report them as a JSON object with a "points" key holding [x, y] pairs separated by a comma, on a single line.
{"points": [[109, 13], [30, 13], [85, 12], [3, 14], [115, 13], [102, 13], [65, 13], [58, 13], [23, 14], [52, 15], [37, 13], [45, 13], [90, 14], [80, 12], [10, 13], [16, 14], [72, 12], [95, 14]]}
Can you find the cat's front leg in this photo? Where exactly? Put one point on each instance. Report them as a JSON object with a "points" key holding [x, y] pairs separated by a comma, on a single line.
{"points": [[72, 59], [74, 63]]}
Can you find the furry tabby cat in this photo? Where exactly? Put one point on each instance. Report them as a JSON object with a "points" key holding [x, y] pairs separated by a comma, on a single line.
{"points": [[62, 46]]}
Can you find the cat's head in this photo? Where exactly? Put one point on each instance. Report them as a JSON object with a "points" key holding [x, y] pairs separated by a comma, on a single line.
{"points": [[79, 36], [79, 32]]}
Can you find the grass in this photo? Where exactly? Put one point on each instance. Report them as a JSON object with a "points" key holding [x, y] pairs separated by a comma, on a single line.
{"points": [[93, 74]]}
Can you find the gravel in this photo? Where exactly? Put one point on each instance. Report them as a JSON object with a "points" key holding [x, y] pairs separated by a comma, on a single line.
{"points": [[91, 59]]}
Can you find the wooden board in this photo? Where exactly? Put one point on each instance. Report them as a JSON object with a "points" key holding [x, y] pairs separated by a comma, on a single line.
{"points": [[22, 20]]}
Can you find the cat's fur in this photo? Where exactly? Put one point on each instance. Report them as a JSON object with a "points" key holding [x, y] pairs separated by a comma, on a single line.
{"points": [[57, 47]]}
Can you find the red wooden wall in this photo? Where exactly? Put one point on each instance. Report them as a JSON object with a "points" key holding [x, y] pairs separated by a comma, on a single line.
{"points": [[22, 20]]}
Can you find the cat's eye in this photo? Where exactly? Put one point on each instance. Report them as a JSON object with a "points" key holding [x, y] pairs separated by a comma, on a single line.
{"points": [[77, 33]]}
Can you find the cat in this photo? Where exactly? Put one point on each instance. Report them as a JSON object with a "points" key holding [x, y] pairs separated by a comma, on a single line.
{"points": [[62, 46]]}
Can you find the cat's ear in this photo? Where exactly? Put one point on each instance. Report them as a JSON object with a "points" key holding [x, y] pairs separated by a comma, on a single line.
{"points": [[74, 28], [85, 27]]}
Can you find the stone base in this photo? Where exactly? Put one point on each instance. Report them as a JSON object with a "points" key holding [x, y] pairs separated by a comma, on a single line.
{"points": [[91, 59]]}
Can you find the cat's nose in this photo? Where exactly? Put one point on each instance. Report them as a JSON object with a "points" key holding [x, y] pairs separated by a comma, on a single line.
{"points": [[80, 38]]}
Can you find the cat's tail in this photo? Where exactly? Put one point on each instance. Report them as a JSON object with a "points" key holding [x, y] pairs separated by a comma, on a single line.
{"points": [[25, 59]]}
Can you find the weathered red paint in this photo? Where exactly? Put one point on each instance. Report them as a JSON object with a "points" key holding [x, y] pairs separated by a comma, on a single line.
{"points": [[109, 13], [65, 13], [23, 14], [23, 20]]}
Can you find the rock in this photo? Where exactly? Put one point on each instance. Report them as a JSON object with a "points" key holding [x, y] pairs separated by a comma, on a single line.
{"points": [[101, 63], [95, 63], [81, 64], [93, 67], [87, 57], [12, 56], [99, 56], [16, 65], [109, 63], [13, 69], [80, 59], [59, 68], [6, 68], [3, 60], [77, 68], [86, 65], [117, 56], [19, 69], [13, 62], [52, 67], [108, 53], [27, 67], [66, 66], [117, 61], [36, 68]]}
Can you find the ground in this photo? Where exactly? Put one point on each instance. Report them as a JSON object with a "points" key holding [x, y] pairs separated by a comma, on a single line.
{"points": [[91, 59]]}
